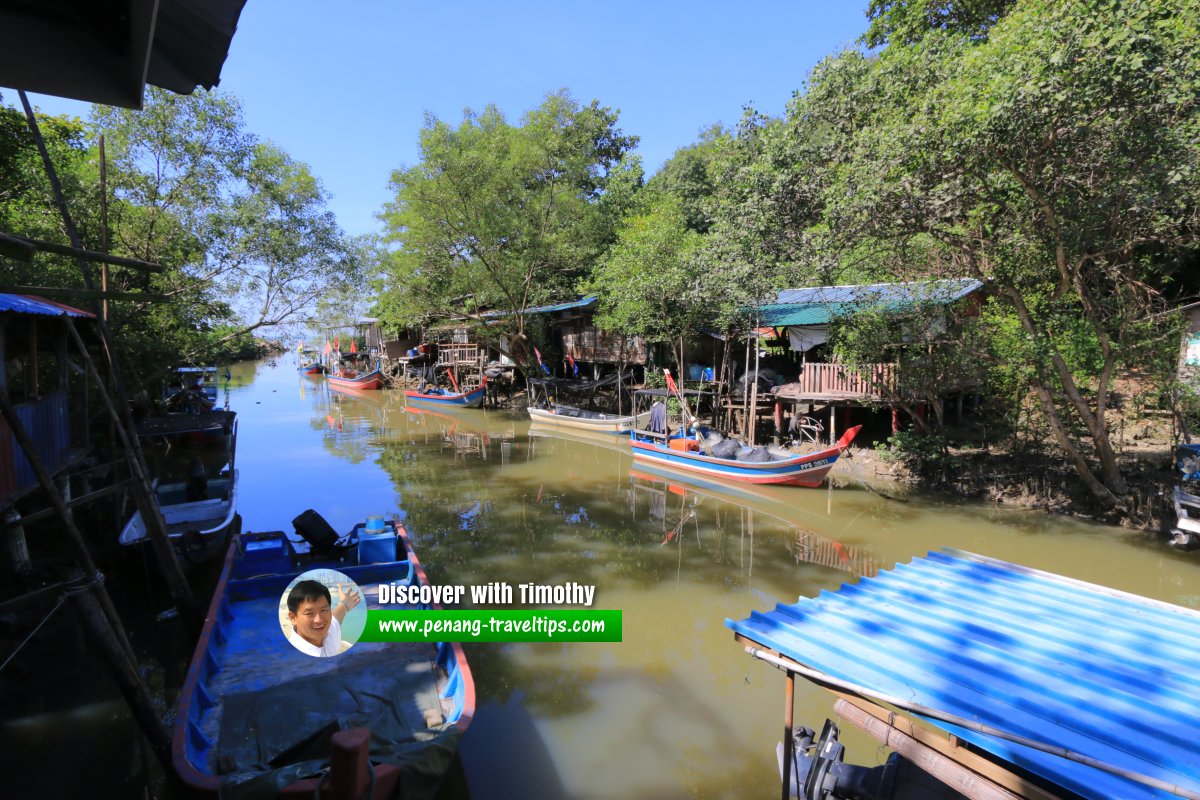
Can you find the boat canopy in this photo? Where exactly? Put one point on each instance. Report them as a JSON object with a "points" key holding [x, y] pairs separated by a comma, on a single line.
{"points": [[1105, 674]]}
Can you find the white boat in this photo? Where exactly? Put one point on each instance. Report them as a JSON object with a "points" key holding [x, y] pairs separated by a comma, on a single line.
{"points": [[1186, 533], [198, 528], [571, 418]]}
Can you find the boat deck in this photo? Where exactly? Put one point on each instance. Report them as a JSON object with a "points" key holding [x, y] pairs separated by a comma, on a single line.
{"points": [[260, 677]]}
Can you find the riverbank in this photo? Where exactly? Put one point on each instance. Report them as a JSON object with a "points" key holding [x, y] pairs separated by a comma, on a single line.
{"points": [[1028, 473]]}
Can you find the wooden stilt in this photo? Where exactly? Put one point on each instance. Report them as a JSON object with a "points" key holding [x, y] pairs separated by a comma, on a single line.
{"points": [[789, 697], [122, 666]]}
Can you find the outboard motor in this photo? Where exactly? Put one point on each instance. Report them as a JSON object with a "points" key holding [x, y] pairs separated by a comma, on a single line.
{"points": [[319, 534], [820, 774]]}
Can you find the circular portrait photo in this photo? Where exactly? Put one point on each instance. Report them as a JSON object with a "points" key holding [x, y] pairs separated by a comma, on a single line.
{"points": [[322, 613]]}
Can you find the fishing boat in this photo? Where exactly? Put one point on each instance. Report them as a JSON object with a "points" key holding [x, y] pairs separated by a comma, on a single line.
{"points": [[308, 362], [351, 380], [257, 718], [200, 516], [684, 453], [472, 398], [193, 418], [575, 419]]}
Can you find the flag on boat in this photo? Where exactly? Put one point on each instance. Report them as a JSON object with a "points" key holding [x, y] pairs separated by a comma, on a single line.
{"points": [[337, 343], [574, 366], [538, 353], [327, 348], [353, 345], [300, 347], [670, 381]]}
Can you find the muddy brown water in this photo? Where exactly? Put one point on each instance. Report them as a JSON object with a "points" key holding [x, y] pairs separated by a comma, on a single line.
{"points": [[677, 709]]}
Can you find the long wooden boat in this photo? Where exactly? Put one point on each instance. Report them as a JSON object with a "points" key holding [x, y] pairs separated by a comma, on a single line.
{"points": [[190, 430], [368, 380], [255, 712], [308, 362], [198, 529], [445, 397], [571, 418], [681, 453]]}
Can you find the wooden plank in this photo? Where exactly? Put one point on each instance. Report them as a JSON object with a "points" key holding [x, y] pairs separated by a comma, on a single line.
{"points": [[947, 747], [945, 769], [86, 294], [45, 513], [87, 255]]}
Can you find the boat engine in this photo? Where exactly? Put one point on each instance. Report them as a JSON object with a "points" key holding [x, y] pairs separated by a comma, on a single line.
{"points": [[819, 773]]}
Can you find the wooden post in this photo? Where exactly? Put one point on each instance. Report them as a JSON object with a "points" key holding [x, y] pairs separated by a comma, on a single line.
{"points": [[789, 696], [74, 538], [147, 503], [103, 228], [778, 420], [18, 549], [122, 666]]}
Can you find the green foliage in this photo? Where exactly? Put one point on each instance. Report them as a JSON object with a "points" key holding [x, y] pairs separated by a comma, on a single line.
{"points": [[240, 228], [650, 281], [509, 216], [907, 21], [921, 453]]}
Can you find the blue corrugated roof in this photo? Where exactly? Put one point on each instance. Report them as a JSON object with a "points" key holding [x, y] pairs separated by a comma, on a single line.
{"points": [[817, 305], [1107, 674], [28, 304]]}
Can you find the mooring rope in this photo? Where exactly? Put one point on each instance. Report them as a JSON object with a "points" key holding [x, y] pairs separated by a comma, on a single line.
{"points": [[70, 589]]}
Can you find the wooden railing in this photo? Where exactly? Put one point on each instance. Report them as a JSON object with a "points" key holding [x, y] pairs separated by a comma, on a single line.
{"points": [[867, 380]]}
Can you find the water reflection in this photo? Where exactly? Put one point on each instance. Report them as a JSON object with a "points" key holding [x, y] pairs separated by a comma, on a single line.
{"points": [[676, 709]]}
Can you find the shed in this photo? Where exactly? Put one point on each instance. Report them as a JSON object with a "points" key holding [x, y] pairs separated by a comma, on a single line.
{"points": [[36, 376]]}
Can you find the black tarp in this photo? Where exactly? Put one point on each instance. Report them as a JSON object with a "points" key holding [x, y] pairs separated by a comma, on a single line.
{"points": [[271, 738]]}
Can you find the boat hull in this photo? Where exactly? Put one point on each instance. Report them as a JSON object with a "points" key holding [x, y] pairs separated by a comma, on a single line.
{"points": [[242, 655], [471, 399], [372, 380], [808, 470], [614, 425], [198, 530], [311, 369]]}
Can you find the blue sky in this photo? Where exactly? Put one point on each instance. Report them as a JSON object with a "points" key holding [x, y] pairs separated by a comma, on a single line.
{"points": [[345, 86]]}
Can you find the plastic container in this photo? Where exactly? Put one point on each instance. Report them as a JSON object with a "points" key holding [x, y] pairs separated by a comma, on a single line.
{"points": [[685, 445], [376, 541]]}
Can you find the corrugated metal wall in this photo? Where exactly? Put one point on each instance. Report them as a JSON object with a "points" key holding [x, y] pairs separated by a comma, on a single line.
{"points": [[47, 423]]}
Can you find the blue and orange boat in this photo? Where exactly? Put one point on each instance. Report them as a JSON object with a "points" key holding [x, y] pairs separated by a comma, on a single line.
{"points": [[257, 718], [683, 453], [446, 397], [308, 362]]}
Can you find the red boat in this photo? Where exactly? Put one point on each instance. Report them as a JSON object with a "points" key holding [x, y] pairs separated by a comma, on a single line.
{"points": [[369, 380]]}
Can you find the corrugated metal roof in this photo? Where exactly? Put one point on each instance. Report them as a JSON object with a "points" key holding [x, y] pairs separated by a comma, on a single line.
{"points": [[817, 305], [582, 302], [28, 304], [1107, 674]]}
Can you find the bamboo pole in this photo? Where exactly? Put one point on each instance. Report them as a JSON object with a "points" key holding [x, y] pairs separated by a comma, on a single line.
{"points": [[156, 526], [119, 409]]}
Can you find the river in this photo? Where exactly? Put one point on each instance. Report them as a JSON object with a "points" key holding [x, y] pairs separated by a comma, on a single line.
{"points": [[676, 709]]}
